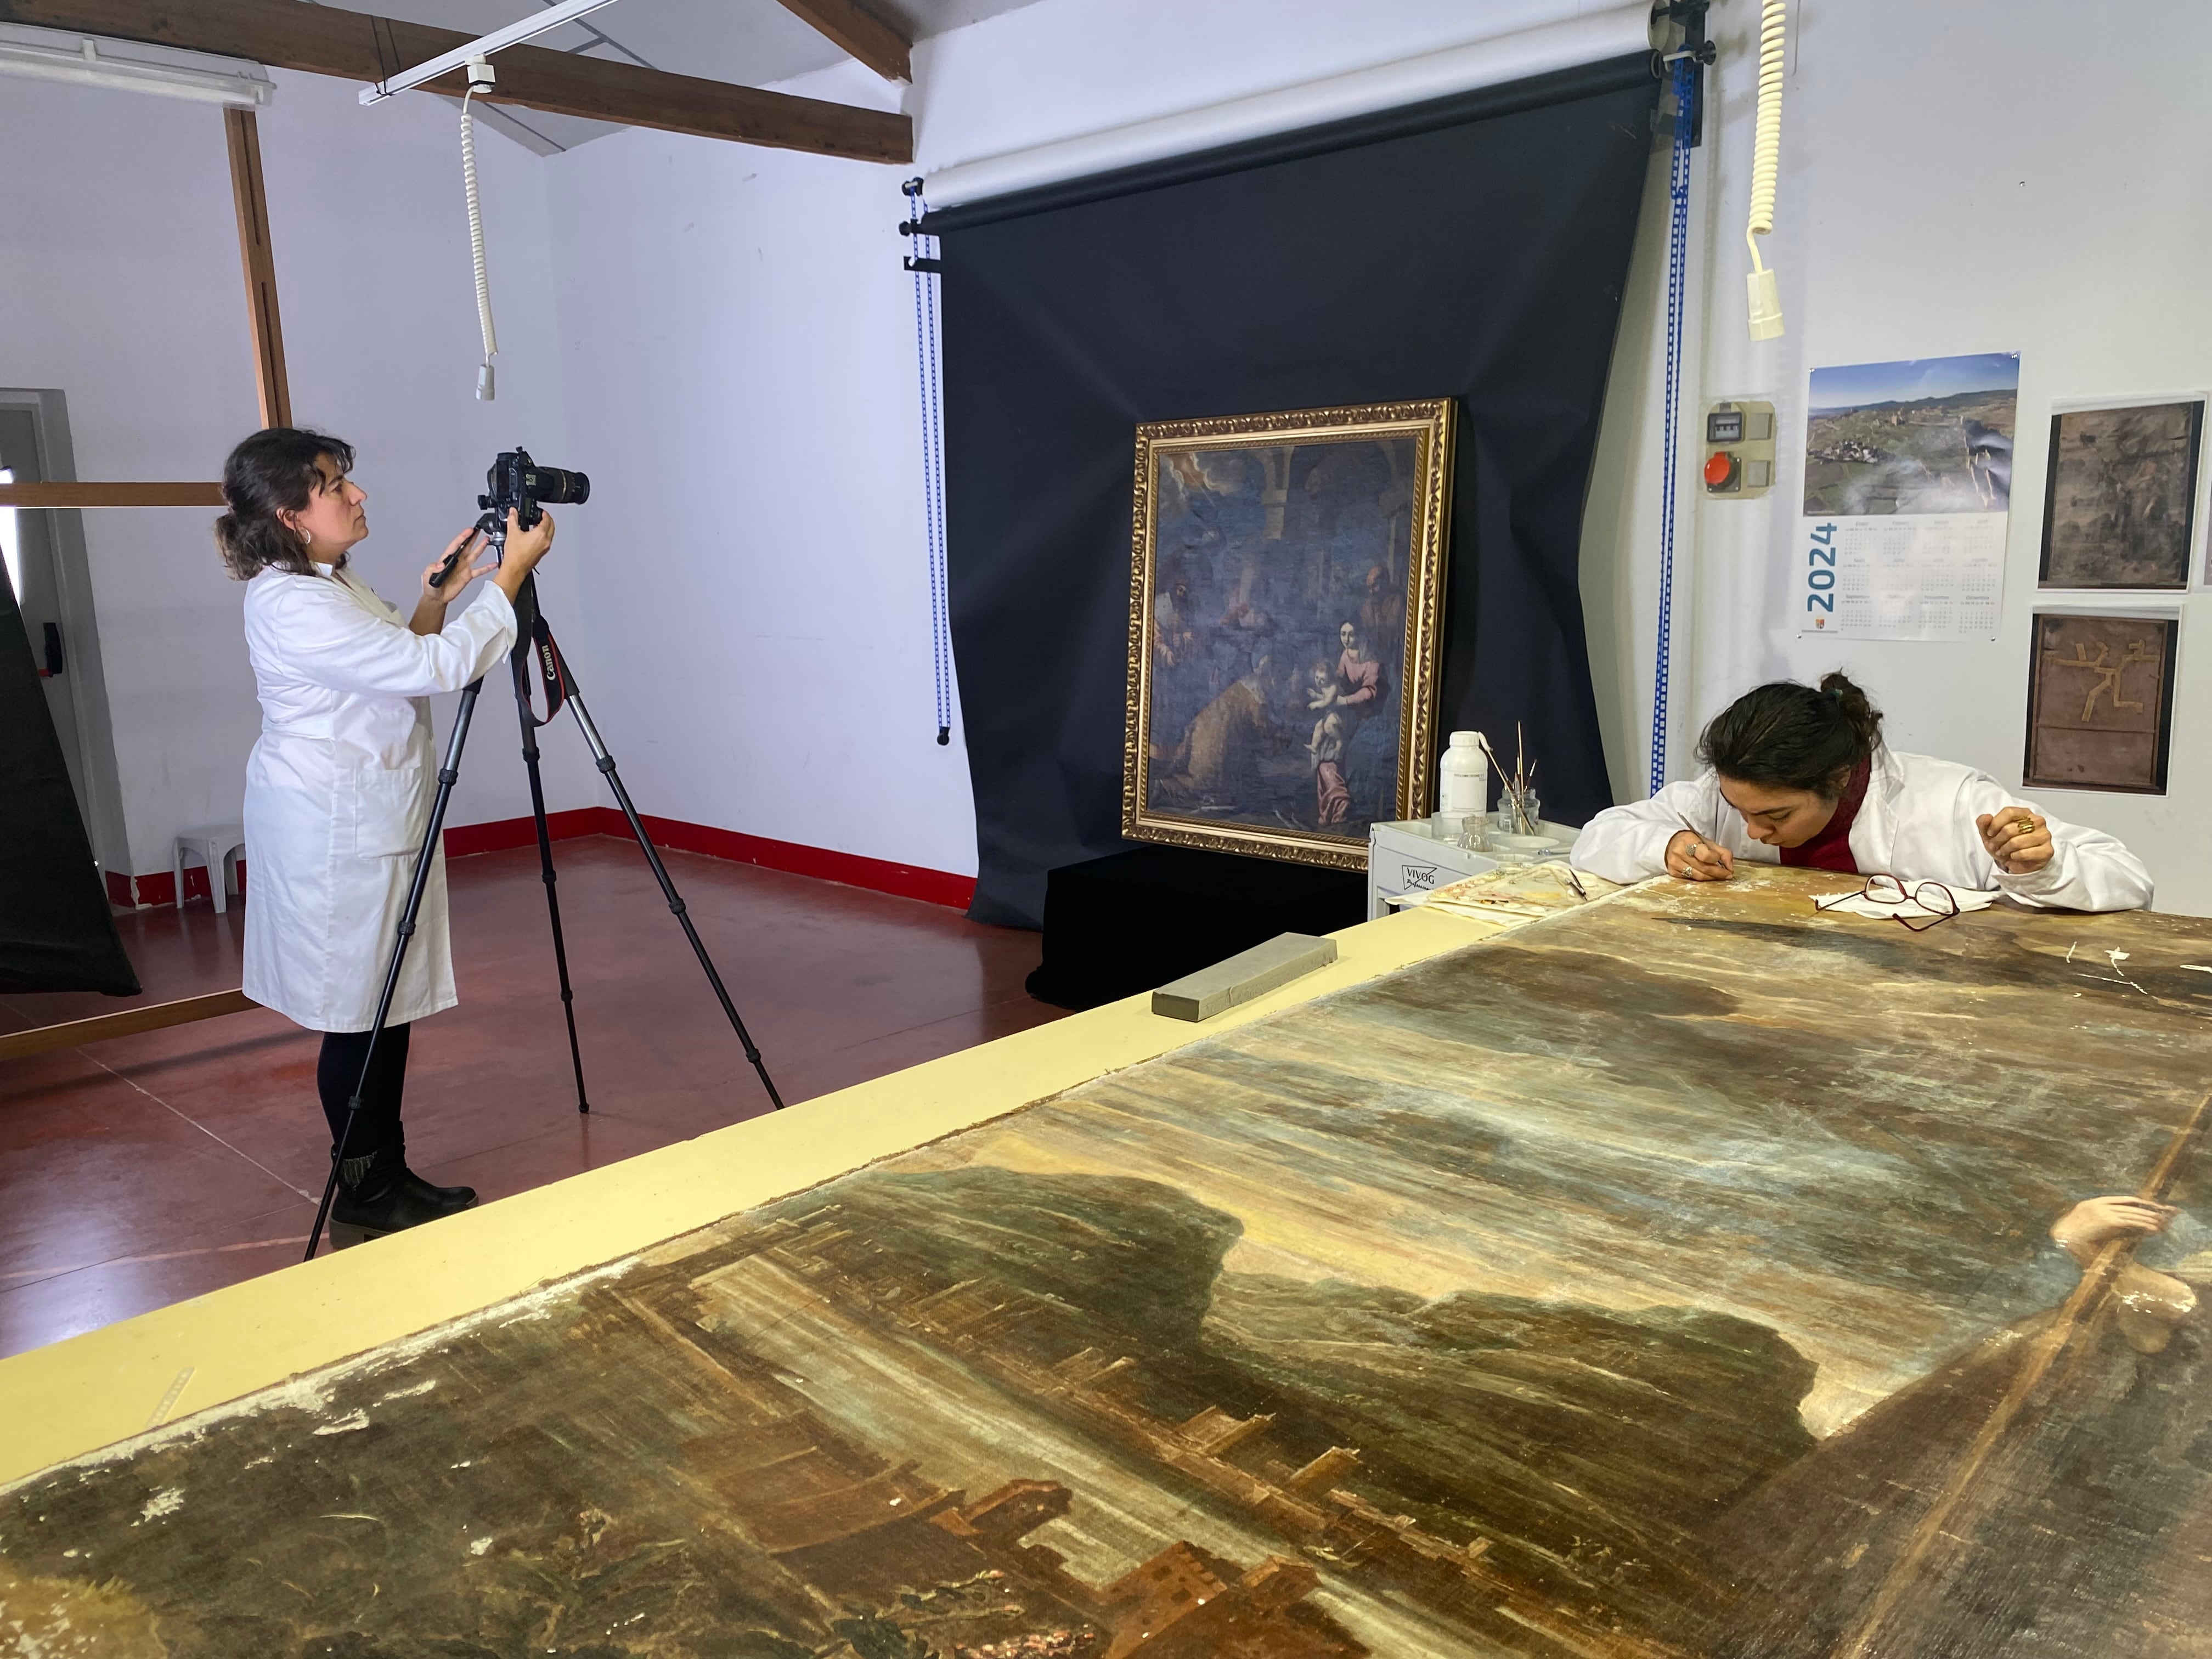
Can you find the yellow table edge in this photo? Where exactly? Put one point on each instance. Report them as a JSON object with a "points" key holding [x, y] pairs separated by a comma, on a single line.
{"points": [[90, 1391]]}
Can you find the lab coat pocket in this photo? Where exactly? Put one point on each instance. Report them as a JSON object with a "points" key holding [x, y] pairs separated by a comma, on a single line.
{"points": [[390, 808]]}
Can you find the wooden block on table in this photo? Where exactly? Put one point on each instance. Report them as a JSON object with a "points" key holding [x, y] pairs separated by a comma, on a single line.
{"points": [[1249, 974]]}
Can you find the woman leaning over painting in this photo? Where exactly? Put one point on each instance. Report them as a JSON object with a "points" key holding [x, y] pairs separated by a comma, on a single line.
{"points": [[1803, 777], [337, 790]]}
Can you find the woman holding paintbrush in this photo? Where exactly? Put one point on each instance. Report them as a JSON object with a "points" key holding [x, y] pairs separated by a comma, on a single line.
{"points": [[1801, 776]]}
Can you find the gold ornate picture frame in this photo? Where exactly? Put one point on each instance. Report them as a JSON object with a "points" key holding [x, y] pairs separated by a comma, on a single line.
{"points": [[1285, 626]]}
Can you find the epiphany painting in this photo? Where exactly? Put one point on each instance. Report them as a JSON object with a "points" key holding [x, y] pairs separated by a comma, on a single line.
{"points": [[2100, 702], [2121, 508], [1663, 1278], [1285, 599]]}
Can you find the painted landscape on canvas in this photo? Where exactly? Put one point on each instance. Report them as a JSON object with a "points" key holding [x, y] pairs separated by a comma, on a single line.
{"points": [[1670, 1277]]}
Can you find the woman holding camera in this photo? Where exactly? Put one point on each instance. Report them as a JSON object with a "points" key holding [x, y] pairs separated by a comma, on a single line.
{"points": [[338, 788]]}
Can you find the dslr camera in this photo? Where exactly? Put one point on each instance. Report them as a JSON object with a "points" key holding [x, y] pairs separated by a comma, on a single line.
{"points": [[515, 481]]}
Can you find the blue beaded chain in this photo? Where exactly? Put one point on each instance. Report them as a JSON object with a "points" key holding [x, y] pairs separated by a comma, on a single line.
{"points": [[1678, 270], [932, 466]]}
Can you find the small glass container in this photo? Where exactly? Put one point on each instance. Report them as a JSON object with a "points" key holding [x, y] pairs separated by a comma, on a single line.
{"points": [[1450, 827], [1505, 822]]}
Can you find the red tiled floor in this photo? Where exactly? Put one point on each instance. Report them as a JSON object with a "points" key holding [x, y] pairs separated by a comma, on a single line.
{"points": [[145, 1170]]}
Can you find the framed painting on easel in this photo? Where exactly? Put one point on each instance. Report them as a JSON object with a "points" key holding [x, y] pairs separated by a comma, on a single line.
{"points": [[1285, 625]]}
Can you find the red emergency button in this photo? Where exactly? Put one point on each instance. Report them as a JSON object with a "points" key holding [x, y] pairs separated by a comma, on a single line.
{"points": [[1720, 466]]}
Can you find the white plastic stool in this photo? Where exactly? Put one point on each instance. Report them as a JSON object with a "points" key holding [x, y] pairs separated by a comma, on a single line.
{"points": [[216, 847]]}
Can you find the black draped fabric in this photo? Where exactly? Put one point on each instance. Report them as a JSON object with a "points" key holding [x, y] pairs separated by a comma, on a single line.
{"points": [[55, 934], [1474, 248], [1132, 921]]}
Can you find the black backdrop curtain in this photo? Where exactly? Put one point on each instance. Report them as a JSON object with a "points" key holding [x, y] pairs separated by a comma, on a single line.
{"points": [[55, 934], [1472, 248]]}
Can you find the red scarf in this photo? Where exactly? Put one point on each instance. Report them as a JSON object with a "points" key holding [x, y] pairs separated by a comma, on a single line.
{"points": [[1831, 849]]}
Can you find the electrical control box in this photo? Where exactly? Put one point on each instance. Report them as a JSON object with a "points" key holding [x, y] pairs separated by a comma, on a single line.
{"points": [[1738, 450]]}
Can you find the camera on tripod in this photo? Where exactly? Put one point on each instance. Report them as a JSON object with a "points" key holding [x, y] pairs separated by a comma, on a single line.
{"points": [[518, 484], [516, 481]]}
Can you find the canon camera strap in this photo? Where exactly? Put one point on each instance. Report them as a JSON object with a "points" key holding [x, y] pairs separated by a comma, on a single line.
{"points": [[535, 639]]}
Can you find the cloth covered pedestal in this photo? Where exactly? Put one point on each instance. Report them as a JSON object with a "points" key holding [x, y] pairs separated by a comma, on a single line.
{"points": [[1132, 921]]}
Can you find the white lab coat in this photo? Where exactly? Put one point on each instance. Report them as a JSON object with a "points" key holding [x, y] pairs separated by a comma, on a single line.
{"points": [[1916, 823], [338, 790]]}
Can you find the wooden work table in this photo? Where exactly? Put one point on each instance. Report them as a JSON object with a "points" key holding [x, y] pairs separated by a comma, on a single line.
{"points": [[1686, 1269], [92, 1390]]}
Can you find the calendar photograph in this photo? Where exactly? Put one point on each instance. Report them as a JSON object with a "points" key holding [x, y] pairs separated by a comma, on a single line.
{"points": [[1932, 434], [1907, 498]]}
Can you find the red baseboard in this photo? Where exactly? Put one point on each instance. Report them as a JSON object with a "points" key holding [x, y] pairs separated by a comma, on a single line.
{"points": [[497, 838], [133, 892], [849, 869]]}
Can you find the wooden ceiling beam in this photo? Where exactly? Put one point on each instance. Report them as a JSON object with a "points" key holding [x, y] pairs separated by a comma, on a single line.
{"points": [[262, 317], [295, 34], [852, 28], [69, 495]]}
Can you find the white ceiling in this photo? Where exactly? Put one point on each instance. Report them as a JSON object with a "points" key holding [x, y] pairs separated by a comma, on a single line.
{"points": [[751, 43]]}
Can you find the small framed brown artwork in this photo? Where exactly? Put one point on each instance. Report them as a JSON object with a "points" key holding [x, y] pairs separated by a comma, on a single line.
{"points": [[2100, 702], [2120, 507]]}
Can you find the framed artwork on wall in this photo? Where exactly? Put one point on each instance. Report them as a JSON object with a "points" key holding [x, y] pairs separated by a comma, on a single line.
{"points": [[2101, 701], [1286, 599], [2121, 507]]}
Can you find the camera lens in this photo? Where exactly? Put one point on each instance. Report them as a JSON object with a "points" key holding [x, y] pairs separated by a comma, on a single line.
{"points": [[551, 486]]}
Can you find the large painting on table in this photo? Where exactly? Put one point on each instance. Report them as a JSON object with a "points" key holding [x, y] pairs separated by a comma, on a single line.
{"points": [[1285, 623], [1671, 1277]]}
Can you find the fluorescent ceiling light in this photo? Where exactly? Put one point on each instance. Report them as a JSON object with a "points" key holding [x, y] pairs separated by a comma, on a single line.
{"points": [[132, 66], [513, 34]]}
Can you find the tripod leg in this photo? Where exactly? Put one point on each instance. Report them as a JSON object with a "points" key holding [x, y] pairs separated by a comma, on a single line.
{"points": [[449, 775], [552, 901], [607, 765]]}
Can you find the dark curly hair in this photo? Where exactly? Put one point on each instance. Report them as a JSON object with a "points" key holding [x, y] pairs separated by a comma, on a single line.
{"points": [[272, 472], [1789, 736]]}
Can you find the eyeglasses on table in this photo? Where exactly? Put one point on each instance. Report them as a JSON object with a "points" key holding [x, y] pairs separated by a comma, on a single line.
{"points": [[1931, 896]]}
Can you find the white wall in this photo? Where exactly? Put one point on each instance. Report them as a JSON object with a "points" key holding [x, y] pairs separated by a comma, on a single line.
{"points": [[739, 359], [722, 336], [739, 362], [119, 262], [1955, 179], [370, 229]]}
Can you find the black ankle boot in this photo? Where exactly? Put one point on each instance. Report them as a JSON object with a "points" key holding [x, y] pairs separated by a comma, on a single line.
{"points": [[377, 1193], [451, 1201]]}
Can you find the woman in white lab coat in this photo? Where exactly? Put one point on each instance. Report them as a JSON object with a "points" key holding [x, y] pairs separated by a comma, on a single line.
{"points": [[338, 788], [1801, 776]]}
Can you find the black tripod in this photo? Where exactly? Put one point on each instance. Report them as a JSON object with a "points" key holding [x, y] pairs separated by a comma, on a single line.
{"points": [[533, 638]]}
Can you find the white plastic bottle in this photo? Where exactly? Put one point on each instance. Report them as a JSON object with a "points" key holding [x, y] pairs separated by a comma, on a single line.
{"points": [[1463, 776]]}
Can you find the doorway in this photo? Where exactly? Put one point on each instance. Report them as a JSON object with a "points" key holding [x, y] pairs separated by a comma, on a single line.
{"points": [[43, 552]]}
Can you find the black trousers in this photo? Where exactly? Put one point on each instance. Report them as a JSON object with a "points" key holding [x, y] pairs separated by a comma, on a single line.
{"points": [[338, 1070]]}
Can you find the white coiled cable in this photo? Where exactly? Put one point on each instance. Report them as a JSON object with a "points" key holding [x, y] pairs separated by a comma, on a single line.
{"points": [[1766, 297], [485, 391]]}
